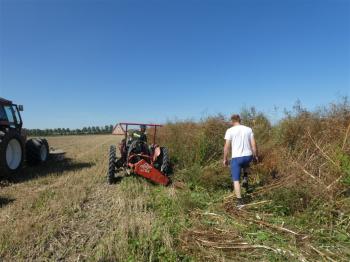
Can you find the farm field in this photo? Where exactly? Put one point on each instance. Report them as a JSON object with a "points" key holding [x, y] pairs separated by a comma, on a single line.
{"points": [[66, 211], [179, 131]]}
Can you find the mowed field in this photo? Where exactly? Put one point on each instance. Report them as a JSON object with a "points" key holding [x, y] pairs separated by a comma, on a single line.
{"points": [[66, 211]]}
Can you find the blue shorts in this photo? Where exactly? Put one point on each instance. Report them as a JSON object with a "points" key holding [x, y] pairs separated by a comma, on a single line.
{"points": [[237, 164]]}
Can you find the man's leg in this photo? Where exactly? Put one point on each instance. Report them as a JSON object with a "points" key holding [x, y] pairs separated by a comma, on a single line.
{"points": [[236, 173], [237, 187], [246, 171], [245, 178]]}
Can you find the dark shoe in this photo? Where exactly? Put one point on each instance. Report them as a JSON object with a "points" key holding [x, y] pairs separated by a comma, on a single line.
{"points": [[245, 182], [239, 203]]}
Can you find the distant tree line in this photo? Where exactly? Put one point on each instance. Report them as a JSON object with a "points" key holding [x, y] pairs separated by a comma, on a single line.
{"points": [[90, 130]]}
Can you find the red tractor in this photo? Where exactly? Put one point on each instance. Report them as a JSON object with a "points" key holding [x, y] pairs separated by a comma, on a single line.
{"points": [[137, 157], [14, 146]]}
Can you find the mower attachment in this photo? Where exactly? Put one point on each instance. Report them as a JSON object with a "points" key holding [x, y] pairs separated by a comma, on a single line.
{"points": [[144, 169]]}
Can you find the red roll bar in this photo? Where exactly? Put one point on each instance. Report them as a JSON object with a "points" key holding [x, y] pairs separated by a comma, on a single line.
{"points": [[119, 130]]}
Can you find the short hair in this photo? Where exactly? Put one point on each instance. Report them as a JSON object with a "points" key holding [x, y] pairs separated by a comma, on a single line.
{"points": [[235, 118]]}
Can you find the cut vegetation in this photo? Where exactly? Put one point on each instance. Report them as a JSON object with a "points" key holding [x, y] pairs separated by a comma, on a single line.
{"points": [[299, 208]]}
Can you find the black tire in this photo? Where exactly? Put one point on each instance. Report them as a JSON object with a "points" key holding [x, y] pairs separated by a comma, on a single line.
{"points": [[166, 167], [37, 151], [13, 162], [163, 161], [111, 165]]}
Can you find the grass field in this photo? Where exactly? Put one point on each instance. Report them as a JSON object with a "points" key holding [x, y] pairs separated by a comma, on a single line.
{"points": [[66, 211]]}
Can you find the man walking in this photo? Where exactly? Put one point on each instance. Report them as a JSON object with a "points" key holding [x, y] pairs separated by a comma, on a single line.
{"points": [[241, 140]]}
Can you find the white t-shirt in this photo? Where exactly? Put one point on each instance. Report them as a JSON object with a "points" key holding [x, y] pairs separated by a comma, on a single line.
{"points": [[240, 137]]}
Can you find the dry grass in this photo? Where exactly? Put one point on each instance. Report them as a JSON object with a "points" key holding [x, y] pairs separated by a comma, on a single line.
{"points": [[299, 209], [300, 206], [66, 211]]}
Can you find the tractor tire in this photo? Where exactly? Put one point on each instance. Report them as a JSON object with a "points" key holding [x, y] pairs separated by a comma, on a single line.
{"points": [[165, 167], [37, 151], [111, 165], [11, 154]]}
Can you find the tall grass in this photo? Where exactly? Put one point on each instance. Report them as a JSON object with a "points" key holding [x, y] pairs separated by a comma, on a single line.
{"points": [[312, 147], [194, 143], [304, 173]]}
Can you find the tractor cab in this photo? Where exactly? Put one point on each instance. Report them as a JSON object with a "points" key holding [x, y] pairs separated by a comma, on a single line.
{"points": [[10, 116]]}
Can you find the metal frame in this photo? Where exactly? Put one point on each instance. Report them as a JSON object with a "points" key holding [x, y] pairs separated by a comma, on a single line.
{"points": [[144, 166], [127, 124]]}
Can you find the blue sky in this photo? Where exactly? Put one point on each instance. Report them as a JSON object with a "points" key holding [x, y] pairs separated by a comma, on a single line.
{"points": [[74, 63]]}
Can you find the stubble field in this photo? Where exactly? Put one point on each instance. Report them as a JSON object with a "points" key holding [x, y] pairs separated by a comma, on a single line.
{"points": [[66, 211]]}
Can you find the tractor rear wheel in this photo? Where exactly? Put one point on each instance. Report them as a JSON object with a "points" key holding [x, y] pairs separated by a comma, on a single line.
{"points": [[111, 165], [165, 161], [37, 151], [11, 153]]}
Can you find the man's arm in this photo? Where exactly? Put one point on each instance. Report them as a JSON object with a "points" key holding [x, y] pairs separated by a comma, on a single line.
{"points": [[226, 151], [254, 147]]}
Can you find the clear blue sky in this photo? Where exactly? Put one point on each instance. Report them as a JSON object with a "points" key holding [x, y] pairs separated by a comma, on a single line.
{"points": [[74, 63]]}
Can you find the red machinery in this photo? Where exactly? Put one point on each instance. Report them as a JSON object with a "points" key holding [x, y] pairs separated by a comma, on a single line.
{"points": [[15, 147], [137, 157]]}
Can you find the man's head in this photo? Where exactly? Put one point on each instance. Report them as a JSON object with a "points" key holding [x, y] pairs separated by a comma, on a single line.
{"points": [[143, 128], [236, 119]]}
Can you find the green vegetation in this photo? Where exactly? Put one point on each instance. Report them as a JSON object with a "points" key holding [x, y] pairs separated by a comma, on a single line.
{"points": [[90, 130], [299, 205]]}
